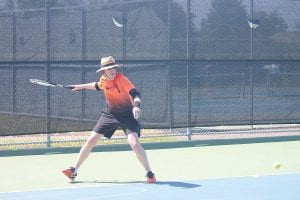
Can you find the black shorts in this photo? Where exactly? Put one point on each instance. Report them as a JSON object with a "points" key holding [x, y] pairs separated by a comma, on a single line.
{"points": [[108, 123]]}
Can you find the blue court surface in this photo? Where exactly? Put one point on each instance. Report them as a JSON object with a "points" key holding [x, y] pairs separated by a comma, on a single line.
{"points": [[273, 187]]}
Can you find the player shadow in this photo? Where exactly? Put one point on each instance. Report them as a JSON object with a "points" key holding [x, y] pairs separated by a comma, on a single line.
{"points": [[178, 184]]}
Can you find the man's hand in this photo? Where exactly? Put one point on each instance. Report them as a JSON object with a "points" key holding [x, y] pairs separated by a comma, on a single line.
{"points": [[136, 112], [76, 88], [137, 107]]}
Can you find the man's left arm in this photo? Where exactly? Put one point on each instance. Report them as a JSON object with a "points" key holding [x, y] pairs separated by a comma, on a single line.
{"points": [[136, 103]]}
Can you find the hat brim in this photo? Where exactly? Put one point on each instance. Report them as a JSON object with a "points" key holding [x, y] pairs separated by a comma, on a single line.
{"points": [[109, 67]]}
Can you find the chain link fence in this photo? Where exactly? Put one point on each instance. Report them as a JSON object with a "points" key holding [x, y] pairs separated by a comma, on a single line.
{"points": [[205, 69]]}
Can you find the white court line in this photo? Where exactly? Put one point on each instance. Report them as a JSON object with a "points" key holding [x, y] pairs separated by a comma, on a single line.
{"points": [[138, 190], [66, 188]]}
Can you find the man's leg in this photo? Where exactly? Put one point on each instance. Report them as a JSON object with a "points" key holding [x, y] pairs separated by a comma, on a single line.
{"points": [[87, 148], [141, 155], [83, 154], [139, 150]]}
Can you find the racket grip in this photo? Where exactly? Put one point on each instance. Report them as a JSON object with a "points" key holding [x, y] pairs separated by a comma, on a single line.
{"points": [[69, 87]]}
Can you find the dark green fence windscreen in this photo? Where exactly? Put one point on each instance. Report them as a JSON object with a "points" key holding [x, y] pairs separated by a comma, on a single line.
{"points": [[196, 63]]}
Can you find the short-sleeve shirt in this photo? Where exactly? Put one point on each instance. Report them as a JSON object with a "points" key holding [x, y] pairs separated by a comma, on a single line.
{"points": [[116, 92]]}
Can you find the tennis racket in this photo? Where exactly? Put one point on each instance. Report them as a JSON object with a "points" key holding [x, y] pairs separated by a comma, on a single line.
{"points": [[49, 84]]}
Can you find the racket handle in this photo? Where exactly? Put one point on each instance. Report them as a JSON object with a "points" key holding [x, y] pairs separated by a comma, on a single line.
{"points": [[69, 87]]}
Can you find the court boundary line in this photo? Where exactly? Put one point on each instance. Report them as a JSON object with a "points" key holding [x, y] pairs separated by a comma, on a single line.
{"points": [[67, 188]]}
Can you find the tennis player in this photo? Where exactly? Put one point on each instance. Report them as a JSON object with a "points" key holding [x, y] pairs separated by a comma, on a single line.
{"points": [[122, 109]]}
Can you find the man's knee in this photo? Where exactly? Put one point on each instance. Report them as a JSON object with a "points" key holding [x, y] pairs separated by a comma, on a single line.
{"points": [[93, 139], [134, 145], [134, 142]]}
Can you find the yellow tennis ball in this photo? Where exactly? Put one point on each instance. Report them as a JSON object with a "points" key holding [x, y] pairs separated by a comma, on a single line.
{"points": [[276, 165]]}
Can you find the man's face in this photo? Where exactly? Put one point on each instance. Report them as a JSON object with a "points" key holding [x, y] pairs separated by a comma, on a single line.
{"points": [[111, 73]]}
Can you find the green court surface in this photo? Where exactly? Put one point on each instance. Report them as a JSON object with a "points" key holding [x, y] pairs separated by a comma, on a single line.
{"points": [[196, 162]]}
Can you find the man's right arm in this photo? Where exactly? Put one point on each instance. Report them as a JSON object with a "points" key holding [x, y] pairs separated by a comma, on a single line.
{"points": [[86, 86]]}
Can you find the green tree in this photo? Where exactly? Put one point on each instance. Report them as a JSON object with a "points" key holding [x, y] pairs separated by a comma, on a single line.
{"points": [[298, 25], [224, 32], [174, 16], [178, 31], [264, 43]]}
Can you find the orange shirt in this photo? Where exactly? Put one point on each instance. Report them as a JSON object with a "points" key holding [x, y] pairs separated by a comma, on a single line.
{"points": [[116, 92]]}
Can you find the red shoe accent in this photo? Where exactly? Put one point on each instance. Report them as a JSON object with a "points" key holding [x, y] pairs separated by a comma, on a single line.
{"points": [[151, 180], [68, 173]]}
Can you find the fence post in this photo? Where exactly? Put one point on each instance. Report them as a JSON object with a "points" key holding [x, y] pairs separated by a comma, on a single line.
{"points": [[83, 58], [251, 65], [124, 32], [48, 117], [171, 113], [14, 59], [188, 131]]}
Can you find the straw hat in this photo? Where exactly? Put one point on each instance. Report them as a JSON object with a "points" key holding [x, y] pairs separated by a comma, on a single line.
{"points": [[108, 63]]}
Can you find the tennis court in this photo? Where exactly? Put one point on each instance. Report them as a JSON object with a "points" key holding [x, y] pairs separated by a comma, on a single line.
{"points": [[199, 170]]}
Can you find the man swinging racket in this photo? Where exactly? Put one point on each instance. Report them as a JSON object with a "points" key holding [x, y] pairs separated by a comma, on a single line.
{"points": [[122, 109]]}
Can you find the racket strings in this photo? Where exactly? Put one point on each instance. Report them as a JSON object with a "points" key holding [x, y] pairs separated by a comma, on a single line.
{"points": [[40, 82]]}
